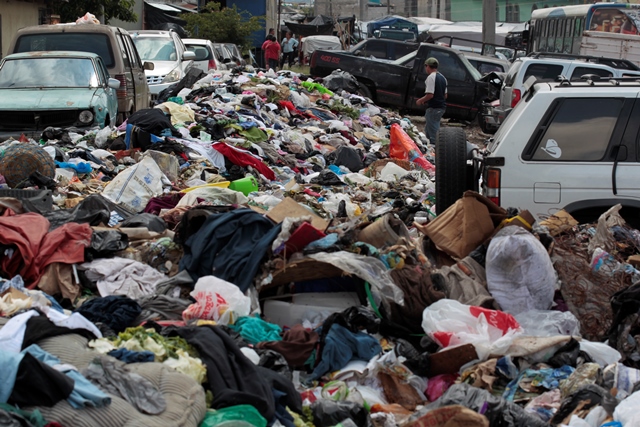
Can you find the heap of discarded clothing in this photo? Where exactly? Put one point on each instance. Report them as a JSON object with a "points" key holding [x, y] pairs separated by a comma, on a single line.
{"points": [[259, 250]]}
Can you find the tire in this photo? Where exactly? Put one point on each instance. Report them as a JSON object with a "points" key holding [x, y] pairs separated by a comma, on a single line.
{"points": [[364, 91], [451, 167]]}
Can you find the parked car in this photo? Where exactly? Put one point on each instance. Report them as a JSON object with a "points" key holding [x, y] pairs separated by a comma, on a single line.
{"points": [[61, 89], [206, 58], [223, 54], [114, 46], [571, 145], [400, 83], [487, 64], [383, 48], [545, 67], [169, 55], [235, 54]]}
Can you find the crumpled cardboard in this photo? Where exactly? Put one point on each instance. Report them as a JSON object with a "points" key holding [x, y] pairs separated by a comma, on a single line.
{"points": [[465, 224], [559, 222]]}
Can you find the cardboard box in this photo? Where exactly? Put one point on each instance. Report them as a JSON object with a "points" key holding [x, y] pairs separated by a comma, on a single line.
{"points": [[465, 225], [290, 208], [559, 222]]}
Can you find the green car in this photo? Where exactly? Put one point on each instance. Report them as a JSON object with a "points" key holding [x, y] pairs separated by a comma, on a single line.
{"points": [[59, 89]]}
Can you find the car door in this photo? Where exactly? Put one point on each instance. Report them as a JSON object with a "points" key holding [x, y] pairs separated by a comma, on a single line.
{"points": [[568, 158], [507, 86], [137, 70], [626, 171], [107, 103], [461, 86]]}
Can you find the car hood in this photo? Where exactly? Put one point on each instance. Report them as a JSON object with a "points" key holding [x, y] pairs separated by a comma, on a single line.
{"points": [[46, 99], [161, 68]]}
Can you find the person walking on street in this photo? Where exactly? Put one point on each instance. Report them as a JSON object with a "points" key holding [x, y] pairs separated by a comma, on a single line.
{"points": [[435, 98], [289, 45], [272, 52]]}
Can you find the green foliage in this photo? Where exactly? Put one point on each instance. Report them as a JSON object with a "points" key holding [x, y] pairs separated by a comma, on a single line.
{"points": [[223, 25], [74, 9]]}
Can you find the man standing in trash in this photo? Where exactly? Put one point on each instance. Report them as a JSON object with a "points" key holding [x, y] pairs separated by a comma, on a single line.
{"points": [[435, 97], [289, 45], [272, 52]]}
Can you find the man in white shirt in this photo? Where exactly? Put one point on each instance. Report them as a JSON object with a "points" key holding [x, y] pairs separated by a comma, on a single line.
{"points": [[435, 97]]}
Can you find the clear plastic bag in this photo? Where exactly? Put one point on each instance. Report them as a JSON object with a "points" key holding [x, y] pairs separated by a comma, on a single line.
{"points": [[218, 300], [627, 411], [548, 323], [450, 323]]}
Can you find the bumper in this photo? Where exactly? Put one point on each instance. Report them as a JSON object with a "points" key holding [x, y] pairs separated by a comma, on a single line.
{"points": [[36, 134]]}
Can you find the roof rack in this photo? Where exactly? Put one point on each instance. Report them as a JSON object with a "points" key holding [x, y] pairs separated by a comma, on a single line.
{"points": [[592, 80], [623, 64]]}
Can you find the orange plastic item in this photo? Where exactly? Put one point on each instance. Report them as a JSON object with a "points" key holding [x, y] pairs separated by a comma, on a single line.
{"points": [[402, 147]]}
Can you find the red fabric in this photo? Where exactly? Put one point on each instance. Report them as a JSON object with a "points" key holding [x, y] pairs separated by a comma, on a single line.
{"points": [[244, 159], [36, 248], [271, 50]]}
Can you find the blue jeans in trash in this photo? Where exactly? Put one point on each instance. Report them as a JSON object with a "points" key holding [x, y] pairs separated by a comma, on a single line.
{"points": [[432, 117]]}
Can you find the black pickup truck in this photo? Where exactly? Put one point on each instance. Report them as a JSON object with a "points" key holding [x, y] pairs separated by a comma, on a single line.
{"points": [[400, 83]]}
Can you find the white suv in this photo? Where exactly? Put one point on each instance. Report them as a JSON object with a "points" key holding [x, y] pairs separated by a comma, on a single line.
{"points": [[571, 145], [169, 55], [547, 69]]}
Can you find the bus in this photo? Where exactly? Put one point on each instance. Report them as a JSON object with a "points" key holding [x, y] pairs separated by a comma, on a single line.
{"points": [[560, 29]]}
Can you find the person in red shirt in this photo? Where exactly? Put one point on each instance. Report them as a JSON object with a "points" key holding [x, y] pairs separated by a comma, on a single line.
{"points": [[271, 50]]}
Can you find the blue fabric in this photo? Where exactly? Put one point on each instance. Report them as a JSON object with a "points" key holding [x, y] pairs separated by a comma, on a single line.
{"points": [[84, 392], [432, 126], [9, 362], [128, 356], [341, 346]]}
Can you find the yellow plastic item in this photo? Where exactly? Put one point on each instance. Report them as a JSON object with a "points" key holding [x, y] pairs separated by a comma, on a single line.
{"points": [[223, 184]]}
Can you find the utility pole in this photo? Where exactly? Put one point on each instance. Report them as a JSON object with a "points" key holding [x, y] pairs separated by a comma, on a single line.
{"points": [[388, 7], [489, 21], [363, 10]]}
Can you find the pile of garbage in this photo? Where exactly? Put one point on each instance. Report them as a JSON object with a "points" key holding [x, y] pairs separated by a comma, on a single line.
{"points": [[262, 249]]}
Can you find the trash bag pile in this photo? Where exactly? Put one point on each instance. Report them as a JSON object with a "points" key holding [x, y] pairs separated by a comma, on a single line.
{"points": [[259, 250]]}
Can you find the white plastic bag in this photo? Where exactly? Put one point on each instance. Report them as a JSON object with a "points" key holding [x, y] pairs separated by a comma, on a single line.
{"points": [[520, 275], [450, 323], [102, 137], [600, 352], [548, 323], [136, 185], [627, 411], [217, 300], [88, 18]]}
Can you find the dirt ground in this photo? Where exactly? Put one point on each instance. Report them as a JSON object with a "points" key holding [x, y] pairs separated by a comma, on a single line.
{"points": [[474, 134]]}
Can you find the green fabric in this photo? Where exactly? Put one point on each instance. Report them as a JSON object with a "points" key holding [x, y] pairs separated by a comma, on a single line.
{"points": [[255, 330], [310, 86], [253, 134], [246, 413], [34, 417]]}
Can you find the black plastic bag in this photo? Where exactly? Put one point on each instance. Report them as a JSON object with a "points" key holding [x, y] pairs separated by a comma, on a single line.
{"points": [[327, 413], [341, 80], [149, 221], [152, 120], [105, 243], [587, 397], [327, 177], [566, 355], [348, 157], [94, 210]]}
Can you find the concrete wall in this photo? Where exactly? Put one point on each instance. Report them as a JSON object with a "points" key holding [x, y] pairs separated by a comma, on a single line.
{"points": [[138, 7], [15, 15], [471, 10], [343, 8]]}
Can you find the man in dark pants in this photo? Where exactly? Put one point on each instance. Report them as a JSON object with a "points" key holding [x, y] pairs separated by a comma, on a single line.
{"points": [[435, 97]]}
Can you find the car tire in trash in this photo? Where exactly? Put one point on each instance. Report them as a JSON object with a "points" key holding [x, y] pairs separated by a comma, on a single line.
{"points": [[363, 90], [451, 166]]}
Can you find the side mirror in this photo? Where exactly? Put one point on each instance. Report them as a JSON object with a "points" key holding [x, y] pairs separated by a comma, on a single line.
{"points": [[113, 84], [357, 52], [188, 56], [227, 60], [148, 66]]}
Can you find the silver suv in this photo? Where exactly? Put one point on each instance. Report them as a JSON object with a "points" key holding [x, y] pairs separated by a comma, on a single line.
{"points": [[169, 55], [567, 145], [548, 68]]}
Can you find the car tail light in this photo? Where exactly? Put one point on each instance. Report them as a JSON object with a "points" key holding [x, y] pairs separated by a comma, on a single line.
{"points": [[515, 97], [493, 185], [121, 92], [212, 65], [313, 59]]}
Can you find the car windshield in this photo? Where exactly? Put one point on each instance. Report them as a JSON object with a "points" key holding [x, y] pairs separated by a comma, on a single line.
{"points": [[48, 72], [156, 48]]}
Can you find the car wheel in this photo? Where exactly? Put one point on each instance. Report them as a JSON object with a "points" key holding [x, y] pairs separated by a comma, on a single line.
{"points": [[451, 166], [363, 90]]}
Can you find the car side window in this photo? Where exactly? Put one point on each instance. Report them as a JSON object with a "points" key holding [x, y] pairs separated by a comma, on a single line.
{"points": [[125, 55], [580, 130], [543, 72], [511, 74], [376, 48], [133, 53], [578, 72], [449, 65], [102, 73]]}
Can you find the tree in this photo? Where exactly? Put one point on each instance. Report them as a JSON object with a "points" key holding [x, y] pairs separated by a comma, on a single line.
{"points": [[71, 10], [223, 24]]}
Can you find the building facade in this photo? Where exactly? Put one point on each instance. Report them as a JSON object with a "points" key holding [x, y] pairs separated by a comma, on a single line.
{"points": [[373, 9], [506, 10], [16, 14]]}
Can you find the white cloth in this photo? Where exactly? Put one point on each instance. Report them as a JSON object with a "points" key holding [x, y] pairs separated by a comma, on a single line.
{"points": [[12, 333], [122, 276]]}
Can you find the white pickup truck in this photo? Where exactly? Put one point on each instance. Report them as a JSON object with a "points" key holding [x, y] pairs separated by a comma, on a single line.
{"points": [[612, 45]]}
